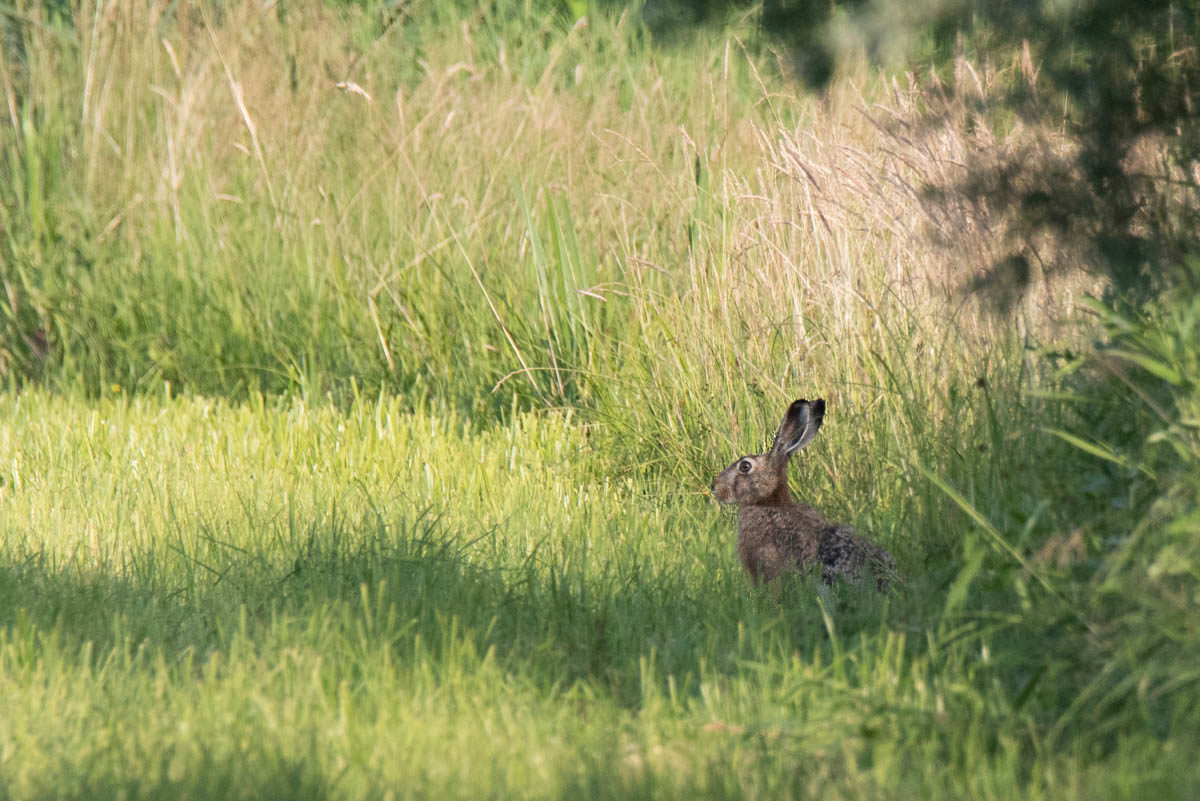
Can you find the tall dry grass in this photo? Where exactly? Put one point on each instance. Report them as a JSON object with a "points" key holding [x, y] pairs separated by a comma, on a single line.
{"points": [[493, 212]]}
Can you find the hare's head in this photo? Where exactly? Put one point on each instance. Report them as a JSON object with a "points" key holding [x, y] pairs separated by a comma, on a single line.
{"points": [[761, 479]]}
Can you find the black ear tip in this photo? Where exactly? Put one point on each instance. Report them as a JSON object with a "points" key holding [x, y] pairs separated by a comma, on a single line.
{"points": [[816, 408]]}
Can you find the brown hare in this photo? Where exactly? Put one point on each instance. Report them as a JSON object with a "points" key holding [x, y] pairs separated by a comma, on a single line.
{"points": [[775, 533]]}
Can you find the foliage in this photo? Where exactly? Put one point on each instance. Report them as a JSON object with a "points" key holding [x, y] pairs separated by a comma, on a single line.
{"points": [[1105, 180], [1121, 199], [1148, 583]]}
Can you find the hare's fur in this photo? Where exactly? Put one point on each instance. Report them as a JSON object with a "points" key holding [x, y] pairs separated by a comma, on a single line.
{"points": [[775, 532]]}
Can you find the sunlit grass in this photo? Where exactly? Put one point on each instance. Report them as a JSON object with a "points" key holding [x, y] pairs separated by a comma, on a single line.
{"points": [[213, 598]]}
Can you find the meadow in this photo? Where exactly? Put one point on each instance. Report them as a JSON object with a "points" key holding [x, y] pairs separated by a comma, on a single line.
{"points": [[367, 368]]}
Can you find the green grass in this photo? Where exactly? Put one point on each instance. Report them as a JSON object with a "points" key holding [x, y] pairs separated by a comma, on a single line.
{"points": [[357, 441], [202, 599]]}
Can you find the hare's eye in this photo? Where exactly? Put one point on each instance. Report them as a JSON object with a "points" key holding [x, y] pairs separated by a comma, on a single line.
{"points": [[745, 466]]}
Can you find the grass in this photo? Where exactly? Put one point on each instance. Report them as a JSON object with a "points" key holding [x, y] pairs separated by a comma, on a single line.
{"points": [[358, 438], [343, 603], [203, 598]]}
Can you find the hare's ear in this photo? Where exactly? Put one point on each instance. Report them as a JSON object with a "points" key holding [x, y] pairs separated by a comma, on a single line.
{"points": [[800, 424]]}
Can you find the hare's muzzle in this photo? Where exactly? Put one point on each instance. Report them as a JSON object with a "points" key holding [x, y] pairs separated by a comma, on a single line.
{"points": [[721, 490]]}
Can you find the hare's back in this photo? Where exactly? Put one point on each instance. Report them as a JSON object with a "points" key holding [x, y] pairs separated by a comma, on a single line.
{"points": [[844, 554]]}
